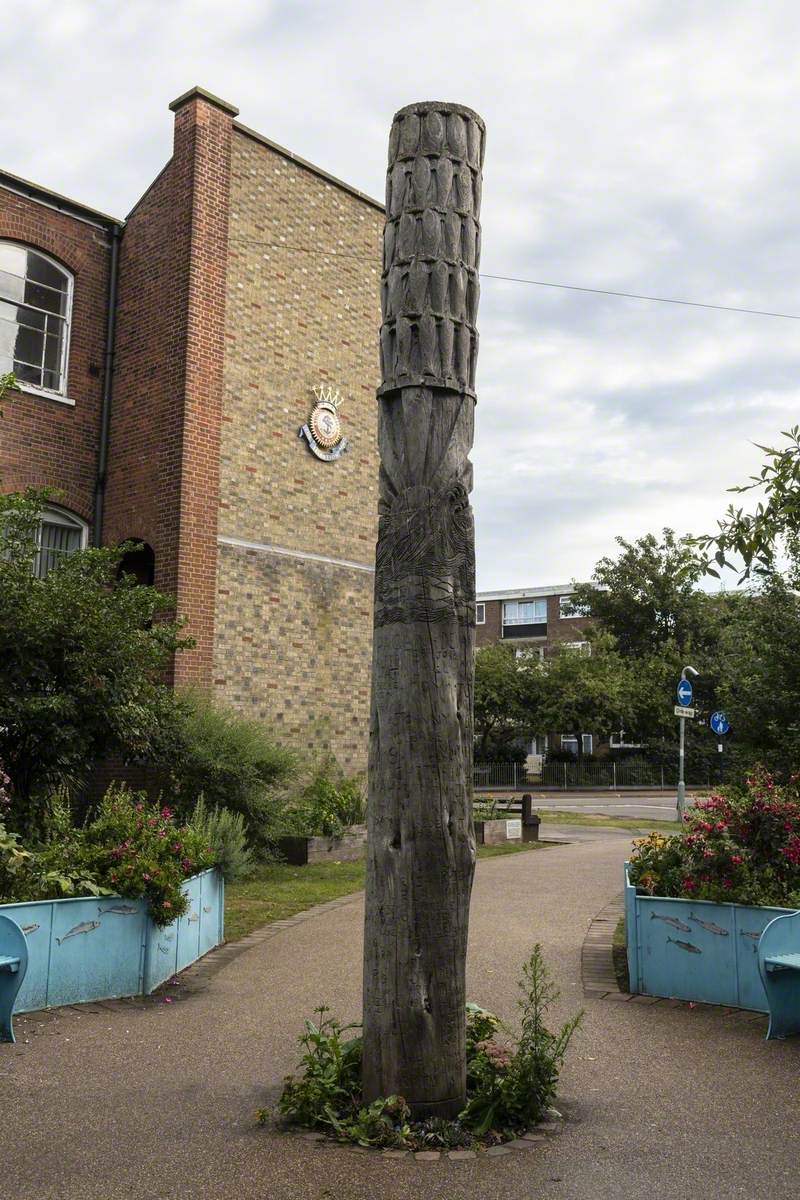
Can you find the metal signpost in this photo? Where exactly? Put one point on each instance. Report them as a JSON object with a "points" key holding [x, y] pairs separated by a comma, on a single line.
{"points": [[683, 711], [720, 725]]}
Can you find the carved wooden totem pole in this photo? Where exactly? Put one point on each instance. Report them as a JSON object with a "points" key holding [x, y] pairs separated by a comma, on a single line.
{"points": [[421, 854]]}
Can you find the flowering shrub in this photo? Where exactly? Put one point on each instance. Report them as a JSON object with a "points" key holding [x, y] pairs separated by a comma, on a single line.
{"points": [[133, 848], [742, 847], [137, 849]]}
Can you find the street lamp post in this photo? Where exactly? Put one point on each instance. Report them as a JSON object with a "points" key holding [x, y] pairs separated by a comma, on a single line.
{"points": [[681, 751]]}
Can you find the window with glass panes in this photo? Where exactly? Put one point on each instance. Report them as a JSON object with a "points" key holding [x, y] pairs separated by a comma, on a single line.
{"points": [[35, 298], [524, 612], [59, 536]]}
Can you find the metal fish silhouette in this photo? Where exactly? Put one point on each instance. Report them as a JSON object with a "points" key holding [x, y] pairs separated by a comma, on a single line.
{"points": [[163, 949], [123, 910], [26, 929], [84, 927], [709, 925], [673, 921], [751, 933], [194, 917], [206, 908], [687, 946]]}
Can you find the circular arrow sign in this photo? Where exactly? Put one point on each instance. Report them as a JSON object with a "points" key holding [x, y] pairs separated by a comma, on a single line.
{"points": [[719, 723], [685, 692]]}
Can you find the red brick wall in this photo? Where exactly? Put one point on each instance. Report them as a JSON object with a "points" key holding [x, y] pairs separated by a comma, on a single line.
{"points": [[163, 482], [44, 443]]}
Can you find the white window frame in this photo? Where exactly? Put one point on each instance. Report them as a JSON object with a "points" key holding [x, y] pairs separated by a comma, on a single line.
{"points": [[587, 741], [54, 515], [509, 605], [568, 740], [22, 384], [563, 602], [480, 613], [584, 648]]}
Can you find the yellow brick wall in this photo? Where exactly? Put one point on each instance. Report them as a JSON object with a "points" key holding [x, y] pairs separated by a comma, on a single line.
{"points": [[293, 635]]}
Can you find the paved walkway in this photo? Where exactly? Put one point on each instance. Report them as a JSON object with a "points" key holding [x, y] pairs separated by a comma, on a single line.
{"points": [[154, 1100]]}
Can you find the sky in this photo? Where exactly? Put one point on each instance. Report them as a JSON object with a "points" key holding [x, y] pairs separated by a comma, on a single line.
{"points": [[647, 146]]}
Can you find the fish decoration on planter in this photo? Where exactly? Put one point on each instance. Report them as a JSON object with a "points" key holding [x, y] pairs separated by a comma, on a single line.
{"points": [[163, 949], [29, 929], [689, 947], [206, 908], [84, 927], [676, 924], [194, 917], [709, 925], [751, 933], [122, 910]]}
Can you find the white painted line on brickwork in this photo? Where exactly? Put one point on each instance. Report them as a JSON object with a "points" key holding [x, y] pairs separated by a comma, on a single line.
{"points": [[265, 548]]}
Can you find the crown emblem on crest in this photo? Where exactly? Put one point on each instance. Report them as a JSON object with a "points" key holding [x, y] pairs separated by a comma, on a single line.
{"points": [[327, 397], [323, 433]]}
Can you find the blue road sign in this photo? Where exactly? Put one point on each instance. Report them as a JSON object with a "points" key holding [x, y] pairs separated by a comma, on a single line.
{"points": [[685, 693], [719, 723]]}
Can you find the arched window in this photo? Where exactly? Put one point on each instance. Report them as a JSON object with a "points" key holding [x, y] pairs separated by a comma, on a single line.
{"points": [[61, 533], [35, 306]]}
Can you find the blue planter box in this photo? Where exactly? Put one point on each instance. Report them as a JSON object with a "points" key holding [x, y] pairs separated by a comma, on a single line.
{"points": [[696, 950], [99, 948]]}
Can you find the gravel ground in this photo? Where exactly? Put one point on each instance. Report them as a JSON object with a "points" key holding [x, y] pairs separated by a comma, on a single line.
{"points": [[153, 1099]]}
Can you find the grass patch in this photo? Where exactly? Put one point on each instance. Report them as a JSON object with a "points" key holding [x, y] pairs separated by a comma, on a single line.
{"points": [[582, 818], [278, 890]]}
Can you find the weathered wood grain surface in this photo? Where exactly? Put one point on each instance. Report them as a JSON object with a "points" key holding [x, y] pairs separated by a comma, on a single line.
{"points": [[421, 847]]}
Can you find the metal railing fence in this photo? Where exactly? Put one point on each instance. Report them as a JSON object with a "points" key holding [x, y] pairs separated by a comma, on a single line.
{"points": [[569, 776]]}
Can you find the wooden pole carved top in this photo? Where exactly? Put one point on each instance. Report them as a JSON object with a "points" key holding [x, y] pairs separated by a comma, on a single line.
{"points": [[431, 249]]}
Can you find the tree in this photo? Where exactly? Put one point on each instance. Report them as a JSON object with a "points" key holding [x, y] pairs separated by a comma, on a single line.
{"points": [[760, 676], [647, 597], [507, 701], [583, 692], [81, 661], [757, 538]]}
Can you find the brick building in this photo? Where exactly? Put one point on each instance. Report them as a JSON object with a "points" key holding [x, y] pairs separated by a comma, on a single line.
{"points": [[535, 620], [167, 363]]}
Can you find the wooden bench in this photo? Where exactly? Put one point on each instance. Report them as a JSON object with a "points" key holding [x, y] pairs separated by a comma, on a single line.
{"points": [[779, 966], [13, 965]]}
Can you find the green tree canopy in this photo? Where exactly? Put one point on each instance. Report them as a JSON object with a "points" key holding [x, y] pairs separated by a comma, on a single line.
{"points": [[647, 597], [586, 692], [82, 658], [758, 538], [507, 700]]}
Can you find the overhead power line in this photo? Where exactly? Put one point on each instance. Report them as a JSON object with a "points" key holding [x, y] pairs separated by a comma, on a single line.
{"points": [[571, 287], [544, 283]]}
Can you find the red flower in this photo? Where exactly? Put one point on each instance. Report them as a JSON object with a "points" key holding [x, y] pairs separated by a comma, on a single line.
{"points": [[688, 884]]}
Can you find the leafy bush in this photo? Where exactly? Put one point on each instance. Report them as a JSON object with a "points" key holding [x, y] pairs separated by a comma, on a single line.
{"points": [[232, 761], [741, 847], [329, 1088], [81, 662], [508, 1088], [133, 848], [225, 832], [327, 806]]}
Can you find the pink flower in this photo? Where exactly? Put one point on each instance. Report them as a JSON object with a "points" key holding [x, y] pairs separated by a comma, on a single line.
{"points": [[688, 884], [145, 876]]}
